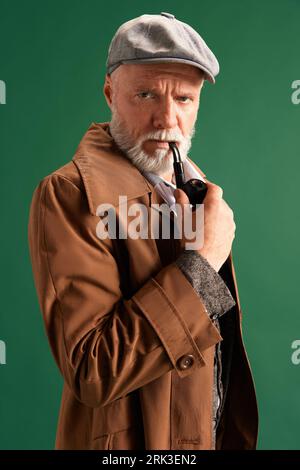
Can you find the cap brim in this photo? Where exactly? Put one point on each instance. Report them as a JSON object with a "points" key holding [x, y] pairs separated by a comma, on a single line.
{"points": [[208, 74]]}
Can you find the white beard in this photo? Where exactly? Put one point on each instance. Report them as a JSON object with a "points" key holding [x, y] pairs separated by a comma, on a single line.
{"points": [[161, 161]]}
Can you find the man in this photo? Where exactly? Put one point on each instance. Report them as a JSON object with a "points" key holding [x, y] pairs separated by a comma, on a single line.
{"points": [[146, 332]]}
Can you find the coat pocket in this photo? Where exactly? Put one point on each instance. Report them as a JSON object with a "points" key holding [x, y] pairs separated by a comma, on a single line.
{"points": [[128, 439], [101, 443], [118, 425]]}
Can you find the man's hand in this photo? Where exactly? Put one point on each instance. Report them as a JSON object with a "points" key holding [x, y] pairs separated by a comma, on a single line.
{"points": [[219, 226]]}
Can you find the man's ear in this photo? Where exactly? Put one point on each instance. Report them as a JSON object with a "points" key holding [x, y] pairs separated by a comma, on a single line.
{"points": [[107, 90]]}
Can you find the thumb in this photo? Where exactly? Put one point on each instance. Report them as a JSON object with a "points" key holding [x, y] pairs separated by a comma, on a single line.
{"points": [[181, 197]]}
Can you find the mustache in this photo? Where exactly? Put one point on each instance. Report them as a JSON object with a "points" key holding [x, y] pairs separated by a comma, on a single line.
{"points": [[165, 135]]}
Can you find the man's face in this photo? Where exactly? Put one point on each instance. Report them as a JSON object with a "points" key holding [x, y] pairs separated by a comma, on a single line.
{"points": [[152, 104]]}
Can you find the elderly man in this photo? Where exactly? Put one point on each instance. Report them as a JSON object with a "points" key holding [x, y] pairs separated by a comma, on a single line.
{"points": [[145, 331]]}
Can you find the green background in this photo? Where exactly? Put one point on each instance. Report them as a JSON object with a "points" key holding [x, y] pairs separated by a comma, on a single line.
{"points": [[52, 58]]}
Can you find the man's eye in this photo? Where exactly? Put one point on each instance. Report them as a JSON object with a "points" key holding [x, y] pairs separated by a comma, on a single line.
{"points": [[145, 94], [184, 99]]}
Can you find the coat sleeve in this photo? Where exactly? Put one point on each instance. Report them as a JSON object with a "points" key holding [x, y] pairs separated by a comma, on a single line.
{"points": [[107, 346]]}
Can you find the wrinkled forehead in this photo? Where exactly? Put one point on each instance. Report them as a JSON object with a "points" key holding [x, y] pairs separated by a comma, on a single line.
{"points": [[141, 74]]}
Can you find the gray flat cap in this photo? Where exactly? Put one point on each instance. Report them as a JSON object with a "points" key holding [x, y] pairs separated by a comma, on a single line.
{"points": [[160, 38]]}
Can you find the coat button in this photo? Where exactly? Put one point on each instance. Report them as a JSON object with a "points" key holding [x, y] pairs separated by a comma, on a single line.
{"points": [[186, 361], [214, 317]]}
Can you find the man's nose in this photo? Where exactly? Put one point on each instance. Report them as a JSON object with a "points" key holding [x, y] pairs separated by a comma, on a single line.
{"points": [[165, 116]]}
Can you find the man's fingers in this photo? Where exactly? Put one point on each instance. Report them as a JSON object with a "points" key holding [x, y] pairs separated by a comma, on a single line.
{"points": [[214, 191], [181, 197]]}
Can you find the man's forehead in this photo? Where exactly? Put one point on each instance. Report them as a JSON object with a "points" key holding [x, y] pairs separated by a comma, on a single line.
{"points": [[139, 75], [172, 70], [152, 85]]}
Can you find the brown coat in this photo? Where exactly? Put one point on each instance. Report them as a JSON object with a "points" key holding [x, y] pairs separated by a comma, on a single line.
{"points": [[121, 318]]}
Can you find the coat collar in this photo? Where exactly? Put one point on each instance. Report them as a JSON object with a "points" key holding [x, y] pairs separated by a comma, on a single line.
{"points": [[105, 170], [100, 162]]}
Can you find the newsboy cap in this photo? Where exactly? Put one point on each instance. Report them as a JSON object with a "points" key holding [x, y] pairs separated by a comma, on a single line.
{"points": [[160, 38]]}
